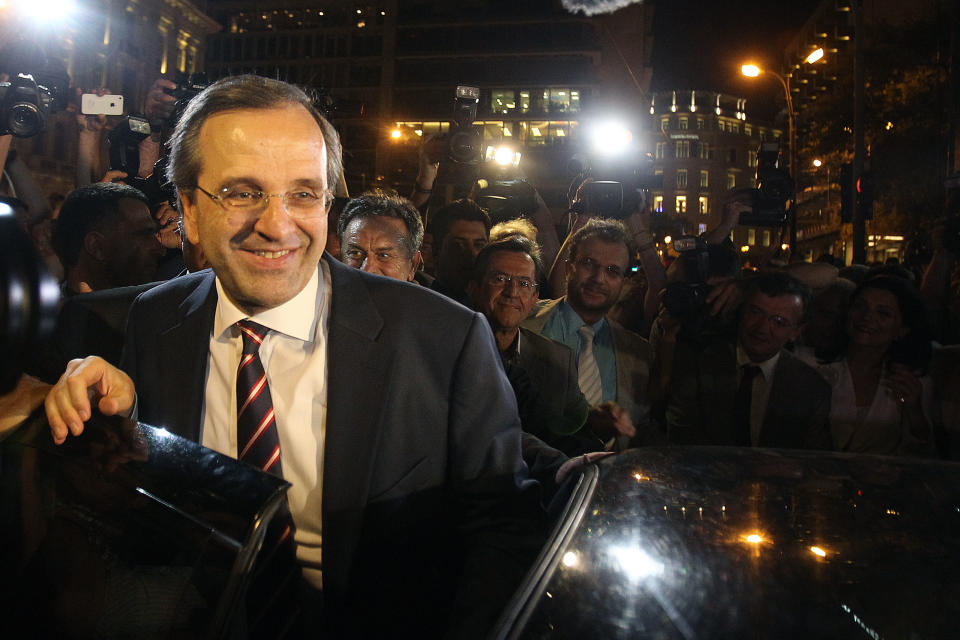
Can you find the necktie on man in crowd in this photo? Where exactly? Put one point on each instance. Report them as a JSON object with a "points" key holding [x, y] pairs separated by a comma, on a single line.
{"points": [[589, 372], [742, 406], [272, 594]]}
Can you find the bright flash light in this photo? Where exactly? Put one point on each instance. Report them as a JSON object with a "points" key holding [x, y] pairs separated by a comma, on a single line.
{"points": [[503, 156], [784, 246], [667, 239], [419, 132], [45, 10], [744, 248], [569, 559], [814, 56], [395, 134], [611, 138], [750, 70], [635, 563], [754, 538], [817, 551], [817, 163]]}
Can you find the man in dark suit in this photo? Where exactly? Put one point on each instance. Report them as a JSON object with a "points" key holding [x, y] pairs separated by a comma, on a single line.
{"points": [[748, 390], [409, 494]]}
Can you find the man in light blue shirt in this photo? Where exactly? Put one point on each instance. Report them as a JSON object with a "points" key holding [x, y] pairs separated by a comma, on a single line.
{"points": [[613, 363]]}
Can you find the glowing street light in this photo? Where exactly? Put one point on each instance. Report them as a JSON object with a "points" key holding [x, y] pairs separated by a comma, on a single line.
{"points": [[750, 70], [396, 134], [815, 55], [817, 163]]}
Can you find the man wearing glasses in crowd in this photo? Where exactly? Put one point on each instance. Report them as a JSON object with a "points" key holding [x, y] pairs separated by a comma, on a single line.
{"points": [[409, 494], [613, 363]]}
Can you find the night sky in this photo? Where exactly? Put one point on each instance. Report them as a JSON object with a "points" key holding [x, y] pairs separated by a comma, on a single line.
{"points": [[701, 45]]}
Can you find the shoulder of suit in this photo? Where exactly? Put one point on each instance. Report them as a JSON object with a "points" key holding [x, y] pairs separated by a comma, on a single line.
{"points": [[802, 373], [627, 339], [543, 343], [177, 287]]}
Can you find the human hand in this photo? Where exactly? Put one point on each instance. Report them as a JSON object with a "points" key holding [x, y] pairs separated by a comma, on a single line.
{"points": [[903, 385], [68, 403], [580, 461], [113, 175], [91, 123], [167, 232], [609, 420], [724, 298], [16, 406], [159, 104]]}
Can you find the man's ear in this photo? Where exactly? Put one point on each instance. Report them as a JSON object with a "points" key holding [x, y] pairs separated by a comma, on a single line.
{"points": [[95, 245], [190, 211], [417, 261]]}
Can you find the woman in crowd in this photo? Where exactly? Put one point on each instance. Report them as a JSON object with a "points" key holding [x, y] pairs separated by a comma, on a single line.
{"points": [[881, 393]]}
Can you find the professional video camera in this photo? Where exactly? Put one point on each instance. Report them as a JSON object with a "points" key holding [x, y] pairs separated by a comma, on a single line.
{"points": [[506, 198], [770, 201], [617, 182], [463, 144], [24, 106], [688, 298]]}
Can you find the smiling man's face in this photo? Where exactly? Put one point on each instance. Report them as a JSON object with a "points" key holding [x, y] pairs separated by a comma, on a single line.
{"points": [[508, 304], [262, 259]]}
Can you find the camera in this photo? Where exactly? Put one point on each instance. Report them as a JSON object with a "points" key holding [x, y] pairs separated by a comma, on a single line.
{"points": [[184, 92], [770, 200], [124, 141], [618, 194], [24, 106], [506, 199], [463, 144], [687, 299]]}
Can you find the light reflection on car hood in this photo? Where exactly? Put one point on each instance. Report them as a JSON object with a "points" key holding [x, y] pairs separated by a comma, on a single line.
{"points": [[717, 542]]}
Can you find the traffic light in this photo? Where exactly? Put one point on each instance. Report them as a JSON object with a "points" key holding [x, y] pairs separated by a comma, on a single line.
{"points": [[847, 200], [865, 191]]}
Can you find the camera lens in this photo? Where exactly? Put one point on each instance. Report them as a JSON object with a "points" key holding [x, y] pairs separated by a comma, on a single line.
{"points": [[24, 120], [464, 146]]}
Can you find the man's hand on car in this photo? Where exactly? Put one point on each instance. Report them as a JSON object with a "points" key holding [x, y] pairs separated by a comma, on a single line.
{"points": [[85, 381]]}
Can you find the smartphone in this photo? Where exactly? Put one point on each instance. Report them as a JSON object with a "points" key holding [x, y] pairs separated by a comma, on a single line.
{"points": [[110, 105]]}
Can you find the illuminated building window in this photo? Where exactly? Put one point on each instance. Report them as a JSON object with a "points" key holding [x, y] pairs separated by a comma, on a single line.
{"points": [[681, 204], [748, 130], [766, 238], [751, 237], [706, 151], [664, 123], [683, 148], [658, 204], [701, 228], [700, 123], [661, 148], [502, 100], [751, 159], [524, 101], [562, 100], [681, 178], [704, 179], [731, 180], [703, 205], [683, 123]]}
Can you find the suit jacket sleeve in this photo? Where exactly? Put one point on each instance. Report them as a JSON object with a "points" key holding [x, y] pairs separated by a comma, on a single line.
{"points": [[497, 514]]}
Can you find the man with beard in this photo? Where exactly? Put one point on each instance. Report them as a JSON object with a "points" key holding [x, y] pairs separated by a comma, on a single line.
{"points": [[613, 363]]}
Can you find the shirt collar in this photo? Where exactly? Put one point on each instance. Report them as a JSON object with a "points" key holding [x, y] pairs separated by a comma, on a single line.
{"points": [[297, 317], [766, 367], [573, 320]]}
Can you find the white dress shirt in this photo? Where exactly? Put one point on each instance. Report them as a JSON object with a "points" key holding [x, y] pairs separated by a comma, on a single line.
{"points": [[294, 356], [760, 393]]}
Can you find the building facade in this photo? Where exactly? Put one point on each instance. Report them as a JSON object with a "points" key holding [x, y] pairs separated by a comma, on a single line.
{"points": [[704, 146]]}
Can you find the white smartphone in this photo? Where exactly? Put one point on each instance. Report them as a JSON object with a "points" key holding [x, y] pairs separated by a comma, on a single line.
{"points": [[110, 105]]}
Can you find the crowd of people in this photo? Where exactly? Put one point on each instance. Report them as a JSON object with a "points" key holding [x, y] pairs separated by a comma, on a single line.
{"points": [[412, 409]]}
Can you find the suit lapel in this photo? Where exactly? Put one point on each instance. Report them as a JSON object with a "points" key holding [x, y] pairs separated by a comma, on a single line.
{"points": [[358, 368], [183, 357]]}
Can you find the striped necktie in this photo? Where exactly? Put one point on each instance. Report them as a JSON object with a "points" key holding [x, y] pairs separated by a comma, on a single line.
{"points": [[272, 597], [257, 440], [589, 372]]}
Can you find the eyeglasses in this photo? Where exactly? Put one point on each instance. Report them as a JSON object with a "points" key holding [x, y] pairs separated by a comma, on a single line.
{"points": [[302, 203], [753, 313], [501, 280], [592, 266]]}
